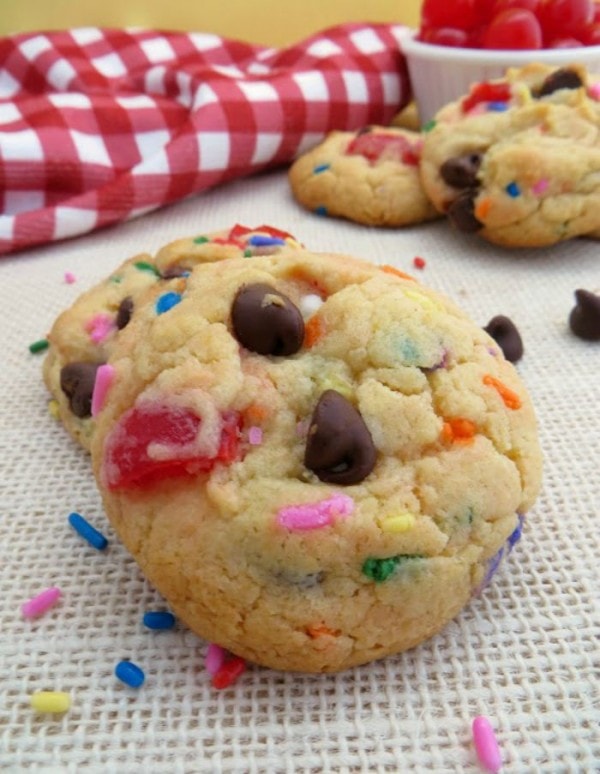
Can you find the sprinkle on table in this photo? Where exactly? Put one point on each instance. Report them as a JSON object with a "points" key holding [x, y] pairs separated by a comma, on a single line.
{"points": [[70, 277], [43, 601], [229, 672], [215, 658], [50, 701], [39, 346], [130, 674], [87, 532], [486, 745], [418, 262], [158, 619]]}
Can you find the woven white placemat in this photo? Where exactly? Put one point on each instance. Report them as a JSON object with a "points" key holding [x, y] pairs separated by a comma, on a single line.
{"points": [[525, 653]]}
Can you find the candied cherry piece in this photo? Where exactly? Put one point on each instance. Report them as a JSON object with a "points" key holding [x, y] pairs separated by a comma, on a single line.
{"points": [[462, 14], [128, 463], [374, 146], [444, 36], [513, 29], [487, 91], [565, 18]]}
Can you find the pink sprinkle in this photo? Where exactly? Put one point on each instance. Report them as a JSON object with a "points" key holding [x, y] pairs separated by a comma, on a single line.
{"points": [[540, 187], [486, 744], [594, 91], [69, 277], [315, 515], [215, 658], [104, 378], [99, 327], [255, 435], [40, 603]]}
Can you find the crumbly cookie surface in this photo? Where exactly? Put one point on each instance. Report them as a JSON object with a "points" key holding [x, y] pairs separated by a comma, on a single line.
{"points": [[517, 160], [84, 335], [370, 177], [316, 460]]}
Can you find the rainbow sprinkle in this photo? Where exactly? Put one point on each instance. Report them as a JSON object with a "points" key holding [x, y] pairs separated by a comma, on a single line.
{"points": [[486, 744], [315, 515], [39, 346], [512, 189], [167, 301], [41, 602], [540, 187], [104, 379]]}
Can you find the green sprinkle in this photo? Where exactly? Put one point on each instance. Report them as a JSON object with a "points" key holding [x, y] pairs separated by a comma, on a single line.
{"points": [[116, 280], [379, 570], [247, 253], [201, 240], [144, 266], [429, 125], [39, 346]]}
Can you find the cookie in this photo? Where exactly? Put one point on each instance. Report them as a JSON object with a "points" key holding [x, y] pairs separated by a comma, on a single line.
{"points": [[517, 160], [370, 177], [82, 337], [316, 460]]}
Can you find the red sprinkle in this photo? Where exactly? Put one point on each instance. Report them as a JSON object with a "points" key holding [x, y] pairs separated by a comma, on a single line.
{"points": [[418, 262], [229, 673]]}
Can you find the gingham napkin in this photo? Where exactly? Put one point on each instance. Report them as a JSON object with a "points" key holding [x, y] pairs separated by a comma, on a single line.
{"points": [[99, 126]]}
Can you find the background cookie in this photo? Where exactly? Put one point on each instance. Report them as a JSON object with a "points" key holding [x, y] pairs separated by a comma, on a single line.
{"points": [[83, 336], [316, 460], [518, 160], [370, 177]]}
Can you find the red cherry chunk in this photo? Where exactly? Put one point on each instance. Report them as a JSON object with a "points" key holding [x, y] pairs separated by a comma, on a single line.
{"points": [[374, 146], [444, 36], [128, 463], [513, 29], [565, 18], [486, 91], [462, 14]]}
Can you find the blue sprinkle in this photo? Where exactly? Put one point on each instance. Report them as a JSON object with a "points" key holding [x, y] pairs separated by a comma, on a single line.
{"points": [[498, 107], [259, 240], [512, 189], [130, 674], [157, 619], [167, 301], [321, 210], [321, 168], [87, 532], [515, 536]]}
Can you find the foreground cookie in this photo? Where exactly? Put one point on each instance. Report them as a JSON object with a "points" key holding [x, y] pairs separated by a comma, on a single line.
{"points": [[315, 460], [518, 160], [83, 337], [370, 176]]}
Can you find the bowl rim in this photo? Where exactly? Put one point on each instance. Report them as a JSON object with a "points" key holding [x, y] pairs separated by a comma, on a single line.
{"points": [[500, 57]]}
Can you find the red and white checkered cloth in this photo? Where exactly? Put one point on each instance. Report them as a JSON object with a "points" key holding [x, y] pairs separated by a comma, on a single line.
{"points": [[98, 126]]}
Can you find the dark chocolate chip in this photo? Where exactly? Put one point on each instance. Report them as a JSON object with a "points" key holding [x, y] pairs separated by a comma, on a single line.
{"points": [[124, 312], [339, 447], [174, 272], [461, 171], [503, 330], [266, 321], [584, 319], [77, 382], [462, 212], [559, 79]]}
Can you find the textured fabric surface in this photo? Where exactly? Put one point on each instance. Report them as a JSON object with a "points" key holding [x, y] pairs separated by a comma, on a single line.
{"points": [[97, 126], [524, 653]]}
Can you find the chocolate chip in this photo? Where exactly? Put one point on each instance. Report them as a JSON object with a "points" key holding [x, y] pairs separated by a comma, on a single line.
{"points": [[461, 171], [77, 382], [174, 272], [124, 312], [559, 79], [339, 447], [462, 212], [503, 330], [266, 321], [364, 130], [584, 319]]}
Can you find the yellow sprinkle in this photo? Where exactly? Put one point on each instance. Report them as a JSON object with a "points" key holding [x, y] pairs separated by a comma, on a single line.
{"points": [[293, 243], [425, 302], [53, 408], [401, 522], [333, 383], [50, 701]]}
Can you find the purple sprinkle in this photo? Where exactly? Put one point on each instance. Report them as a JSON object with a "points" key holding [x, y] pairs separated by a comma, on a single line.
{"points": [[259, 240], [497, 107], [515, 536]]}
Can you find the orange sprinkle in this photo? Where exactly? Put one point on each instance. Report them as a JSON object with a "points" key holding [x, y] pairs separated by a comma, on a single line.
{"points": [[255, 414], [320, 630], [510, 398], [393, 270], [314, 329], [482, 209], [458, 431]]}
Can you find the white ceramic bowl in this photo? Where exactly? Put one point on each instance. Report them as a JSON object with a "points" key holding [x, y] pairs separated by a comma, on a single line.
{"points": [[441, 74]]}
